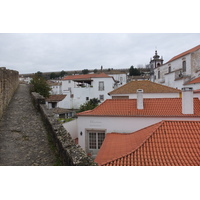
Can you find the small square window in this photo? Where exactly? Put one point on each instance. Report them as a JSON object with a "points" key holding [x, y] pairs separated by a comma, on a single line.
{"points": [[87, 98], [101, 97]]}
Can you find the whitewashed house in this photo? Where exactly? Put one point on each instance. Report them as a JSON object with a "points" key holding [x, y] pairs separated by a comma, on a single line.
{"points": [[81, 88], [56, 87], [119, 77], [195, 83], [26, 80], [128, 115], [150, 90], [179, 70], [56, 101]]}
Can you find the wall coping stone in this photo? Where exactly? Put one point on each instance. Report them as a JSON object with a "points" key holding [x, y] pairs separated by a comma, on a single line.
{"points": [[69, 152]]}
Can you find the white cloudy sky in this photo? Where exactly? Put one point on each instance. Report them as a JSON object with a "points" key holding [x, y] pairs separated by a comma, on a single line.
{"points": [[29, 53], [85, 35]]}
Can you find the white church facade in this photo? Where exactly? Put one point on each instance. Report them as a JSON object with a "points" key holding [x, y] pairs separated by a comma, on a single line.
{"points": [[179, 70]]}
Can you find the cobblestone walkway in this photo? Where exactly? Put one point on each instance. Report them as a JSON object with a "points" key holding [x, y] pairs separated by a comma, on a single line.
{"points": [[23, 137]]}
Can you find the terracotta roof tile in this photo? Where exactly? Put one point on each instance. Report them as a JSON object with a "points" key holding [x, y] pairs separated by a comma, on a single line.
{"points": [[152, 107], [52, 83], [196, 80], [147, 86], [86, 76], [55, 98], [197, 91], [184, 53], [167, 143]]}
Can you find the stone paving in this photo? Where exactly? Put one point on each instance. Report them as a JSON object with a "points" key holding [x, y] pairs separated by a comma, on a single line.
{"points": [[23, 137]]}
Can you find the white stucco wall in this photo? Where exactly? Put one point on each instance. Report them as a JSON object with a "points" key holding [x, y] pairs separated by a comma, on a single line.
{"points": [[80, 93], [117, 124], [72, 128], [175, 65], [57, 89], [195, 86], [197, 95], [192, 70], [66, 85], [122, 78]]}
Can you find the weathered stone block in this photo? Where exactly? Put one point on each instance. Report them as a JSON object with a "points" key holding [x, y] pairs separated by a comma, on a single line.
{"points": [[70, 153], [9, 81]]}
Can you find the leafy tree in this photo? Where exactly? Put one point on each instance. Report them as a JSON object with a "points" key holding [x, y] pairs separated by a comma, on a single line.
{"points": [[85, 71], [91, 104], [39, 73], [40, 85], [62, 73], [134, 71], [95, 71], [53, 75]]}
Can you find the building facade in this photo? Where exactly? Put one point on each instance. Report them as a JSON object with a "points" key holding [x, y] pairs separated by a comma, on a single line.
{"points": [[128, 115], [81, 88], [179, 70]]}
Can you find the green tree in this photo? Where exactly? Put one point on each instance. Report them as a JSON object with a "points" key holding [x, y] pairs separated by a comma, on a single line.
{"points": [[40, 85], [39, 73], [95, 71], [62, 73], [134, 71], [85, 71], [53, 75], [91, 104]]}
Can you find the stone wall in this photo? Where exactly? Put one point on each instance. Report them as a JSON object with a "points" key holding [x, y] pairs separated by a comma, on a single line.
{"points": [[70, 153], [9, 81]]}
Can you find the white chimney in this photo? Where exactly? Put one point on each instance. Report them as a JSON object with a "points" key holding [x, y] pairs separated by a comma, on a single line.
{"points": [[187, 100], [140, 99]]}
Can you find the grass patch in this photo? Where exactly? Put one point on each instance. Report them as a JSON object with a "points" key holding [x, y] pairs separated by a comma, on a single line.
{"points": [[62, 120]]}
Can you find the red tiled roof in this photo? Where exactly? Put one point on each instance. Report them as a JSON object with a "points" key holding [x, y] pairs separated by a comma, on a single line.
{"points": [[184, 53], [196, 80], [55, 98], [167, 143], [147, 86], [197, 91], [152, 107], [52, 83], [86, 76]]}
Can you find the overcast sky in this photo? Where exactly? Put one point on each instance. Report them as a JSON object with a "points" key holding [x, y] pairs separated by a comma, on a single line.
{"points": [[32, 52]]}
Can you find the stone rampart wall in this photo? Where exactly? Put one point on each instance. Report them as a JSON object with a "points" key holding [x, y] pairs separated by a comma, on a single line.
{"points": [[9, 81], [70, 153]]}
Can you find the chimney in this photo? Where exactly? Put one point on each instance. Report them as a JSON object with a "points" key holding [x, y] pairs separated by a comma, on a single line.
{"points": [[187, 100], [140, 105]]}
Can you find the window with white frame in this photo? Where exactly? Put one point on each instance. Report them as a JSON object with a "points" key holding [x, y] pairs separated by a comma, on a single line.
{"points": [[95, 139], [101, 85]]}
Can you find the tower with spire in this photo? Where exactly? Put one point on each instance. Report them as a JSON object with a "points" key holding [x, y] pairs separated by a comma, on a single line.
{"points": [[154, 63]]}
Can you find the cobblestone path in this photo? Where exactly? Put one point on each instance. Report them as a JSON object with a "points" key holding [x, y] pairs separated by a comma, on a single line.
{"points": [[23, 137]]}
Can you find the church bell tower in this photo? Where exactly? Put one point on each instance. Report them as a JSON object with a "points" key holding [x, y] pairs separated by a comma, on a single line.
{"points": [[155, 63]]}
